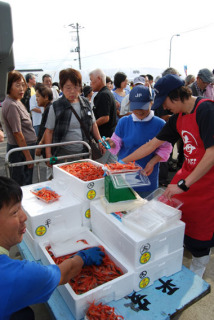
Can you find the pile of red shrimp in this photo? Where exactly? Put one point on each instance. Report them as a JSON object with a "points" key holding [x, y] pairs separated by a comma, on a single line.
{"points": [[102, 312], [91, 276]]}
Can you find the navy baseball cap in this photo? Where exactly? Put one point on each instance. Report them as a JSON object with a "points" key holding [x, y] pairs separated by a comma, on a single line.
{"points": [[164, 86], [140, 98]]}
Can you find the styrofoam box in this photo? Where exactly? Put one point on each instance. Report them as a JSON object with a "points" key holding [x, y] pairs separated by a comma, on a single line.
{"points": [[33, 245], [112, 290], [85, 213], [86, 190], [134, 248], [64, 213], [145, 275]]}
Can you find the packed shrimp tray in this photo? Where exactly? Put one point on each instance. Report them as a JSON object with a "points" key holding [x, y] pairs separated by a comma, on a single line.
{"points": [[112, 280], [84, 176]]}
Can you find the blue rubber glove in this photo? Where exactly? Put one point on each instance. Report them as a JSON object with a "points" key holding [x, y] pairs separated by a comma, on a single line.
{"points": [[91, 256], [121, 161]]}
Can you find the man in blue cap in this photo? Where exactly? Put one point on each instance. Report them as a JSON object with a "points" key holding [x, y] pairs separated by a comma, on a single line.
{"points": [[193, 184]]}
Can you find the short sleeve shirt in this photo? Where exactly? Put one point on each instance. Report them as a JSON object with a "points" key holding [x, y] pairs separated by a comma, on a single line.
{"points": [[104, 105], [17, 119], [36, 116], [23, 283], [204, 119], [74, 131]]}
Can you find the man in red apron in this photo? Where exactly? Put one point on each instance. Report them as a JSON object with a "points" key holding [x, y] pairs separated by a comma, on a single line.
{"points": [[193, 184]]}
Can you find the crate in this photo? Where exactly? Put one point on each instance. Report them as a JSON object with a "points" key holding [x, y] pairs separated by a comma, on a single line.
{"points": [[86, 190], [135, 249], [112, 290]]}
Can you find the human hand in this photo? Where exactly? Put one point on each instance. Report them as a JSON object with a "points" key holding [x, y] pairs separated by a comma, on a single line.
{"points": [[101, 147], [171, 190], [1, 136], [121, 161], [29, 158], [117, 105], [91, 256], [110, 142], [148, 169], [38, 152], [48, 163]]}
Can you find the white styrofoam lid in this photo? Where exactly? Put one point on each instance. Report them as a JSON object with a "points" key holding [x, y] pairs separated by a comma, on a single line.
{"points": [[70, 241], [33, 206]]}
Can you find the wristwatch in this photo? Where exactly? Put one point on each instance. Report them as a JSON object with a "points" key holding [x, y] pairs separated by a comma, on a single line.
{"points": [[182, 185]]}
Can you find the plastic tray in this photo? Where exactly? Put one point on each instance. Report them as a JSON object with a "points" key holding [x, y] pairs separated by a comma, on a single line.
{"points": [[167, 213], [55, 196], [130, 167], [145, 221], [158, 196], [129, 179]]}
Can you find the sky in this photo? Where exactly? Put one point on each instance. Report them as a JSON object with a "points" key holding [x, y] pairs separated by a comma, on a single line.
{"points": [[114, 34]]}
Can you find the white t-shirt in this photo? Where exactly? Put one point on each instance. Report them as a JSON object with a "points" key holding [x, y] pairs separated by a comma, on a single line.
{"points": [[55, 94], [125, 105], [36, 116]]}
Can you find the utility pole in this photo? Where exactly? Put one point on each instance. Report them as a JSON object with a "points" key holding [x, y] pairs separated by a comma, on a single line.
{"points": [[170, 48], [77, 49]]}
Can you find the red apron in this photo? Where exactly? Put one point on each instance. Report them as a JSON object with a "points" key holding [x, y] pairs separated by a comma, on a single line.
{"points": [[198, 207]]}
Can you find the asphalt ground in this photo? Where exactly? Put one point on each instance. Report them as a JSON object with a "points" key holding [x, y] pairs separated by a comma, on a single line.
{"points": [[201, 310]]}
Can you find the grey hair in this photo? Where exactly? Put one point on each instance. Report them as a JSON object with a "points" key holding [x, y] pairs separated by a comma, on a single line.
{"points": [[170, 71], [189, 78], [99, 73]]}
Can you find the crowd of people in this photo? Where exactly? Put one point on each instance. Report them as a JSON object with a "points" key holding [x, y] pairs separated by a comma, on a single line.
{"points": [[40, 113], [142, 120]]}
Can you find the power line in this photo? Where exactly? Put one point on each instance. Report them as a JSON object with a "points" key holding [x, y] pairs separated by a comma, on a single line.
{"points": [[196, 29], [60, 61], [146, 42]]}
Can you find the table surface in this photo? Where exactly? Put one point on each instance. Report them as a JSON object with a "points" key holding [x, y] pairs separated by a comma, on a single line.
{"points": [[165, 298]]}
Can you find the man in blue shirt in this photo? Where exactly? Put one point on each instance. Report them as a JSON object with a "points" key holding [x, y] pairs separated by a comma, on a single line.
{"points": [[22, 282]]}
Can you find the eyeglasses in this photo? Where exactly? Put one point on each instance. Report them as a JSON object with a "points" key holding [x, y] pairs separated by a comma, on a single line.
{"points": [[20, 85], [70, 88]]}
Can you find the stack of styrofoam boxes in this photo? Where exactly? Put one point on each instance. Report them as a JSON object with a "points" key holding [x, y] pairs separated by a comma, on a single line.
{"points": [[151, 257], [59, 224], [112, 290], [46, 219], [85, 191]]}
